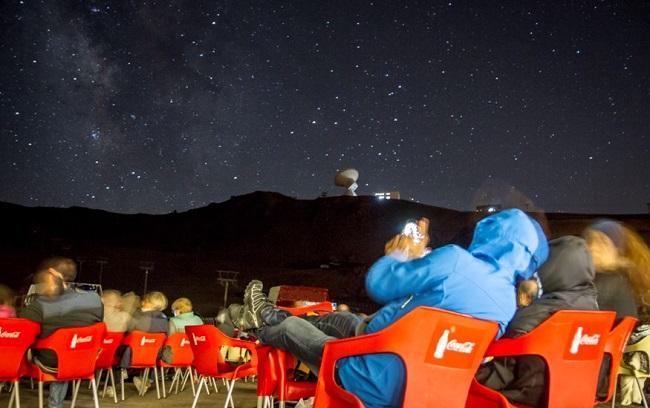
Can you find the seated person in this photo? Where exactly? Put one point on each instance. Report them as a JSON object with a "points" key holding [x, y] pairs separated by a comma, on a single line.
{"points": [[149, 318], [479, 281], [116, 319], [55, 307], [6, 302], [183, 316], [568, 284]]}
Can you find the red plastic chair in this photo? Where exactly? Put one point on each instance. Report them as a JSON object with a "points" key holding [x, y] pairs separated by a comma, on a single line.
{"points": [[182, 357], [144, 354], [206, 342], [107, 359], [275, 369], [572, 343], [77, 349], [320, 308], [615, 345], [438, 371], [275, 378], [16, 335]]}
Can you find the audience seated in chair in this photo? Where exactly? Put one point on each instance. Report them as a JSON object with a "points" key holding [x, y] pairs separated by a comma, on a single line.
{"points": [[567, 284], [479, 281], [56, 307]]}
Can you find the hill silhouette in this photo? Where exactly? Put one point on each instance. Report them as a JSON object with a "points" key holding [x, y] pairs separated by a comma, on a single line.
{"points": [[328, 242]]}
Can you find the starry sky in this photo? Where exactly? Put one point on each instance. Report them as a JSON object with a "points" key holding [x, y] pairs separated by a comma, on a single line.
{"points": [[156, 106]]}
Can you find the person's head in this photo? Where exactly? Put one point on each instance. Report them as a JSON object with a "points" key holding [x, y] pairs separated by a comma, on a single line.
{"points": [[568, 268], [617, 248], [48, 284], [527, 291], [181, 305], [342, 307], [154, 301], [64, 267], [511, 239], [6, 295], [112, 299]]}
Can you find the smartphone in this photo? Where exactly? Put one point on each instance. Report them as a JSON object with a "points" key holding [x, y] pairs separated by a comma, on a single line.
{"points": [[412, 230]]}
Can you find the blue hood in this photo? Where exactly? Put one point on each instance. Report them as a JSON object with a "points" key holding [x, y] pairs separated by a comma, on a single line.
{"points": [[511, 239]]}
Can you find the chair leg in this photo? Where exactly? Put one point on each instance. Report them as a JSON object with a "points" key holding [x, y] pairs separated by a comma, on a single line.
{"points": [[145, 382], [162, 380], [198, 392], [75, 388], [155, 376], [99, 381], [645, 403], [614, 394], [15, 395], [94, 385], [122, 382], [40, 394], [179, 372], [110, 373], [230, 385]]}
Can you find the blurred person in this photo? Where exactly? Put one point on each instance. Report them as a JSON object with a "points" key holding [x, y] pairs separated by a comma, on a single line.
{"points": [[183, 316], [116, 319], [56, 307], [65, 268], [567, 279], [6, 302], [148, 318], [622, 261], [342, 307], [478, 281]]}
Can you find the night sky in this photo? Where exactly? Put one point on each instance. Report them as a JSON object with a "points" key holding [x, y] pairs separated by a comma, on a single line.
{"points": [[156, 106]]}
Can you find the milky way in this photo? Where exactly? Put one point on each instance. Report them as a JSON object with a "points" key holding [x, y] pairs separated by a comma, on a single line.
{"points": [[161, 106]]}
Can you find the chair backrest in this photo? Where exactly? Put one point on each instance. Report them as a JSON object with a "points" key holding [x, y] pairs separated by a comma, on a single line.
{"points": [[181, 350], [614, 346], [76, 349], [144, 347], [441, 351], [641, 346], [108, 358], [572, 343], [16, 335], [320, 308], [206, 342]]}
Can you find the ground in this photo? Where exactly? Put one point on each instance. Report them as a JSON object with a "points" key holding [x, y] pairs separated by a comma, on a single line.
{"points": [[245, 397]]}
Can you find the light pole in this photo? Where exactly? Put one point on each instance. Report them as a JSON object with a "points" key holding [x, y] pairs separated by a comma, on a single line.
{"points": [[101, 262], [146, 266], [225, 278]]}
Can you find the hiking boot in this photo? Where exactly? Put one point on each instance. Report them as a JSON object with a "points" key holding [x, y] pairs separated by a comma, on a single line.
{"points": [[254, 302]]}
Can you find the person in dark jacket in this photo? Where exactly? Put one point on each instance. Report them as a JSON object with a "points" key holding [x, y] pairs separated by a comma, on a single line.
{"points": [[567, 284]]}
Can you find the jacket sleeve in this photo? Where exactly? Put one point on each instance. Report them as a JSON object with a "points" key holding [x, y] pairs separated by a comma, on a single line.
{"points": [[33, 312], [389, 279]]}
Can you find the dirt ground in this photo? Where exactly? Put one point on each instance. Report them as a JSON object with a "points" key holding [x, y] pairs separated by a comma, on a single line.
{"points": [[245, 397]]}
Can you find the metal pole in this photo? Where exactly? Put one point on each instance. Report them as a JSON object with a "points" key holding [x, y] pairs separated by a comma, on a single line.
{"points": [[225, 296], [146, 278]]}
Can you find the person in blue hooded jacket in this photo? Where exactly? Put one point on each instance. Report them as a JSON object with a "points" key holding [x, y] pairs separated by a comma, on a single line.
{"points": [[479, 281]]}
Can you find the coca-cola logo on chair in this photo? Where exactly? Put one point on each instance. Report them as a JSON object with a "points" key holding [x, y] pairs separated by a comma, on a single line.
{"points": [[446, 344], [9, 335]]}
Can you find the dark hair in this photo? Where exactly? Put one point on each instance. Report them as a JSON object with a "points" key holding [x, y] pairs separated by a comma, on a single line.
{"points": [[65, 266]]}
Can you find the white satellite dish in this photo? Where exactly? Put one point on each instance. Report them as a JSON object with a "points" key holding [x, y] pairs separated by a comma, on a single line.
{"points": [[347, 179]]}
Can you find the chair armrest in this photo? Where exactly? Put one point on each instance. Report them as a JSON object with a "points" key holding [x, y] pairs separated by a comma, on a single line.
{"points": [[338, 349]]}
